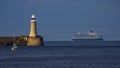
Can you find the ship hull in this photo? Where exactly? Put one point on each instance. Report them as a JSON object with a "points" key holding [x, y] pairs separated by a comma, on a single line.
{"points": [[87, 39]]}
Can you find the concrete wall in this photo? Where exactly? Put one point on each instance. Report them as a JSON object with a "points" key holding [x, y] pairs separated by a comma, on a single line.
{"points": [[35, 41]]}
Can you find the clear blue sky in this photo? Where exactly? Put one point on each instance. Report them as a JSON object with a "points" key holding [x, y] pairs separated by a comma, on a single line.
{"points": [[60, 19]]}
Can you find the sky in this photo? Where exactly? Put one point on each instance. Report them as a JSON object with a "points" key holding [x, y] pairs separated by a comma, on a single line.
{"points": [[58, 20]]}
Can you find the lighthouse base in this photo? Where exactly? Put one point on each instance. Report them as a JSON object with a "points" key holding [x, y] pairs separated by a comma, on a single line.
{"points": [[35, 41]]}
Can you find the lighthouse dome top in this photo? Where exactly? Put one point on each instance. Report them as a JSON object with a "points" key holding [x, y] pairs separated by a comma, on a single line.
{"points": [[33, 16]]}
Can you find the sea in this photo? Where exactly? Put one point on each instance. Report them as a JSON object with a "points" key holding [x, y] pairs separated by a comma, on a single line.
{"points": [[62, 54]]}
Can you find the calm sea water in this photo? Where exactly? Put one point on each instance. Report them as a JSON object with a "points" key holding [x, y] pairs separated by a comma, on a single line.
{"points": [[70, 55]]}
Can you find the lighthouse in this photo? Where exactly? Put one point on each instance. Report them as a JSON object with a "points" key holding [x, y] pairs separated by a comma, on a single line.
{"points": [[33, 30], [34, 39]]}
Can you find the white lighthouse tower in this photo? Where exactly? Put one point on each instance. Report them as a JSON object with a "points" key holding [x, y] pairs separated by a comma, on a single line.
{"points": [[33, 38]]}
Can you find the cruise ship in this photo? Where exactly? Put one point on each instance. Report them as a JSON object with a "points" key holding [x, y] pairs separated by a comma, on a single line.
{"points": [[89, 36]]}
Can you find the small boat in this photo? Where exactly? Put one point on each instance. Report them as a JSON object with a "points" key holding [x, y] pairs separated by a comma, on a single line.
{"points": [[14, 47]]}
